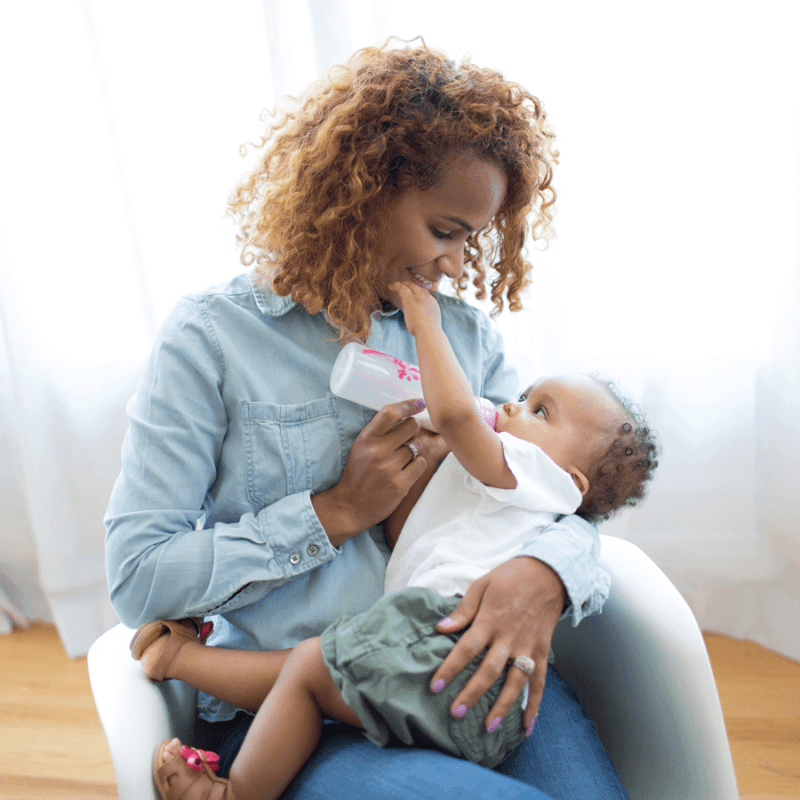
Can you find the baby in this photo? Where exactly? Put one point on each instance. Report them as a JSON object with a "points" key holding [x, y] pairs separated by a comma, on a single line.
{"points": [[570, 444]]}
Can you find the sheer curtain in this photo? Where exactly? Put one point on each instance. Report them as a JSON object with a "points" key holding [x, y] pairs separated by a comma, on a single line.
{"points": [[674, 269]]}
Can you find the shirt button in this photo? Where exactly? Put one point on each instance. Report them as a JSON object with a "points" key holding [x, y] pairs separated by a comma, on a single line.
{"points": [[312, 550], [585, 606], [294, 559]]}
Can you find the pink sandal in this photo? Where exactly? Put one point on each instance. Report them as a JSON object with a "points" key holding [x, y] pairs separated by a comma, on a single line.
{"points": [[195, 758], [179, 632], [174, 781]]}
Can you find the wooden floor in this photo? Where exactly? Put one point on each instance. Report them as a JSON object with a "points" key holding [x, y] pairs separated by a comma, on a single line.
{"points": [[53, 747]]}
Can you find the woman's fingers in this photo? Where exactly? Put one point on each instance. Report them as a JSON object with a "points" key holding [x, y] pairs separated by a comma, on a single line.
{"points": [[413, 448], [514, 685], [471, 644], [386, 420], [511, 612], [377, 475]]}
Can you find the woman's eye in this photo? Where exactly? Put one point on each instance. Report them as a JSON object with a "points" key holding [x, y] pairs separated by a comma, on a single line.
{"points": [[441, 234]]}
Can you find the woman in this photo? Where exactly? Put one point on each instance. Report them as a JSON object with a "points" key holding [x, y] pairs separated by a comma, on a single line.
{"points": [[251, 494]]}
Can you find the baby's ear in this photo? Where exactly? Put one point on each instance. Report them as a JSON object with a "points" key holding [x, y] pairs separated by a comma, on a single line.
{"points": [[581, 481]]}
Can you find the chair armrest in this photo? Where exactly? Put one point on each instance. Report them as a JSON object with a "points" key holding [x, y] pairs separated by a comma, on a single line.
{"points": [[137, 714], [642, 673]]}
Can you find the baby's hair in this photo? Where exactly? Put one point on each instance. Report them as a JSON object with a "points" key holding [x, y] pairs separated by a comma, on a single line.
{"points": [[313, 210], [619, 476]]}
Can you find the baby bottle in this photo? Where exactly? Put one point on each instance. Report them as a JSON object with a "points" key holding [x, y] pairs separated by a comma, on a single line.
{"points": [[375, 379]]}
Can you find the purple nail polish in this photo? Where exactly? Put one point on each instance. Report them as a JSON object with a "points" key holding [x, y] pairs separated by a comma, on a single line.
{"points": [[419, 403], [438, 686], [460, 710], [494, 725], [530, 727], [446, 622]]}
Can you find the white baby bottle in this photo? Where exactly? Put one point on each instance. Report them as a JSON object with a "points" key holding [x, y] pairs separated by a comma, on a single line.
{"points": [[374, 379]]}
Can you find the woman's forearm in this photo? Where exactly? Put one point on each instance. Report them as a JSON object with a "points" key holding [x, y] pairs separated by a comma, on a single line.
{"points": [[155, 573]]}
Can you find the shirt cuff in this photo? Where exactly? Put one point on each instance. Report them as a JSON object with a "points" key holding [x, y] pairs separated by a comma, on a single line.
{"points": [[295, 535], [586, 584]]}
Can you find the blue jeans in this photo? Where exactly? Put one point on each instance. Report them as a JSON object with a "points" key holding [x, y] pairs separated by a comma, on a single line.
{"points": [[562, 760]]}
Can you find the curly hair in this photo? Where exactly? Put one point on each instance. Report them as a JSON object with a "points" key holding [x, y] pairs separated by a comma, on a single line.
{"points": [[311, 214], [619, 476]]}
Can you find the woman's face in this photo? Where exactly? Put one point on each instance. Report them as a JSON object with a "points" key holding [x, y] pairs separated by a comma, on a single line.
{"points": [[427, 230]]}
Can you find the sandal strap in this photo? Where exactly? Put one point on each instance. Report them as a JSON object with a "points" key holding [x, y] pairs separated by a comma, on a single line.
{"points": [[175, 780], [179, 632]]}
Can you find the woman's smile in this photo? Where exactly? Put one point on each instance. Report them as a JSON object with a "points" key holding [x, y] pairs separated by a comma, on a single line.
{"points": [[425, 283]]}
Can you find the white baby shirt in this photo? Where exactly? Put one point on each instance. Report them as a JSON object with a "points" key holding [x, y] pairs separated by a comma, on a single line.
{"points": [[460, 529]]}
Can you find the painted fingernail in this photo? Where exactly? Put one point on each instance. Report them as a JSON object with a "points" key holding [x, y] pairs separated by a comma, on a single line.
{"points": [[446, 622], [530, 727], [460, 710], [419, 403], [494, 725], [438, 685]]}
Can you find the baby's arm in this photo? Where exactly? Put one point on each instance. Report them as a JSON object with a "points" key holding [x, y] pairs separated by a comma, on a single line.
{"points": [[448, 396]]}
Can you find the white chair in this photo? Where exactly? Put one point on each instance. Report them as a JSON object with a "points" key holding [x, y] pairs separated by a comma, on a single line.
{"points": [[640, 668]]}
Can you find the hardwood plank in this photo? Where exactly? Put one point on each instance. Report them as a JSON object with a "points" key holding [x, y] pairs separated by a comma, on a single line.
{"points": [[760, 696], [12, 787], [49, 728]]}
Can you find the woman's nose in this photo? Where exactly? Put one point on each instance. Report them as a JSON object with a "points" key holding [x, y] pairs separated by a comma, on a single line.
{"points": [[451, 263]]}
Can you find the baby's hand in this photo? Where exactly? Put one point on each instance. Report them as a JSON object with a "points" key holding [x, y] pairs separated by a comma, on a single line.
{"points": [[419, 306]]}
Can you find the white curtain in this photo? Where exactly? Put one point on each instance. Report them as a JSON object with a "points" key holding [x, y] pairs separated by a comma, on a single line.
{"points": [[675, 269]]}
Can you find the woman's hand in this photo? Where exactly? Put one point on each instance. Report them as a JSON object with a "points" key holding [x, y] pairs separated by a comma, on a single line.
{"points": [[377, 476], [513, 610]]}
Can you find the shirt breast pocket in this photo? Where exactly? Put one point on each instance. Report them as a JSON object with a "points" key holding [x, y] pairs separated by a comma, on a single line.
{"points": [[292, 448]]}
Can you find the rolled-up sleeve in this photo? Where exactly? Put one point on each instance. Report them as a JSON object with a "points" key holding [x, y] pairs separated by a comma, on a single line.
{"points": [[161, 561], [571, 547]]}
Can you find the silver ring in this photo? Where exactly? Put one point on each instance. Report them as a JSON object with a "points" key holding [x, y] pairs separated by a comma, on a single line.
{"points": [[412, 448], [524, 663]]}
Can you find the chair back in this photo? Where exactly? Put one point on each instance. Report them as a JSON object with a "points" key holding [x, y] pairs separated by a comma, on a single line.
{"points": [[642, 673]]}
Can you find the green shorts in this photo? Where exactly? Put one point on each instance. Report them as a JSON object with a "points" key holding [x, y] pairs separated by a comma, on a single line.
{"points": [[382, 661]]}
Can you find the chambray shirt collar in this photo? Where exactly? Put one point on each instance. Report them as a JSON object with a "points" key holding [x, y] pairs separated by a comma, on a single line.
{"points": [[272, 305], [267, 301]]}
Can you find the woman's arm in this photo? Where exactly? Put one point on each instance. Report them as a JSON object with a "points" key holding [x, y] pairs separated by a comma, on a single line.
{"points": [[160, 565]]}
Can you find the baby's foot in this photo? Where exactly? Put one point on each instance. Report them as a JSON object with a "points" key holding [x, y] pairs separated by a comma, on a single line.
{"points": [[168, 750], [160, 645], [153, 658], [180, 771]]}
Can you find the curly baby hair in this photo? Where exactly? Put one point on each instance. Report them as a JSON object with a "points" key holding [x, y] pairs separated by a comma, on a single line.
{"points": [[311, 213], [619, 476]]}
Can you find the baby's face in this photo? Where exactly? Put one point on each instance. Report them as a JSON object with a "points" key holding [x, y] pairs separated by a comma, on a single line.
{"points": [[568, 417]]}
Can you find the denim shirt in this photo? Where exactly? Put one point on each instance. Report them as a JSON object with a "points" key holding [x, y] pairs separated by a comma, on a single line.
{"points": [[233, 428]]}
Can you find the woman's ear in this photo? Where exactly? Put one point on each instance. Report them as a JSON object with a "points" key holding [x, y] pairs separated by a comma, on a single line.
{"points": [[581, 481]]}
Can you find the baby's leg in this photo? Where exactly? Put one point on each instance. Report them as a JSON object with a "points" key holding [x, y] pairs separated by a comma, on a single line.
{"points": [[287, 728], [240, 677]]}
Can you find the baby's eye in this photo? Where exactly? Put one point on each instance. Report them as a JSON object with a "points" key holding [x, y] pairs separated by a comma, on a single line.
{"points": [[540, 410], [523, 397]]}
